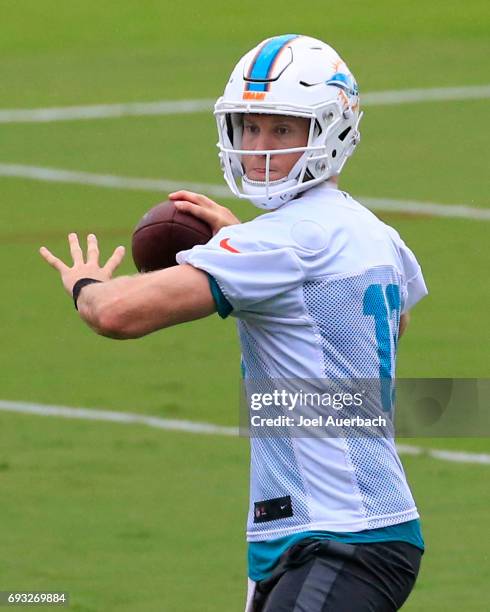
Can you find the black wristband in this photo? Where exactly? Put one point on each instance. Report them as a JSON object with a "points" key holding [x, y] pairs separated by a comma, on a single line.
{"points": [[79, 285]]}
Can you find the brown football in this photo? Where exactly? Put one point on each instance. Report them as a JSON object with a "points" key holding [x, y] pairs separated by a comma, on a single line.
{"points": [[164, 231]]}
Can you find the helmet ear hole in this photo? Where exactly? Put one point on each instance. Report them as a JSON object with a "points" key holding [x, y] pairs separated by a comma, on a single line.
{"points": [[334, 153]]}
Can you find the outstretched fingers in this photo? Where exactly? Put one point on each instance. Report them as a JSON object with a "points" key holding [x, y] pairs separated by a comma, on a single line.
{"points": [[92, 249], [114, 261], [53, 261], [75, 249]]}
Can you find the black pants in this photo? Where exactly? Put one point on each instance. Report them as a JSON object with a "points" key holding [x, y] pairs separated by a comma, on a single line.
{"points": [[326, 576]]}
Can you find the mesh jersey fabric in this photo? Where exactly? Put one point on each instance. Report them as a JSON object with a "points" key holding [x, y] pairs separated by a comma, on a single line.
{"points": [[305, 283]]}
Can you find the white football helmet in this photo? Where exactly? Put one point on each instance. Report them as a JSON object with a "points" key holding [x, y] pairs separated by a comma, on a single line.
{"points": [[289, 75]]}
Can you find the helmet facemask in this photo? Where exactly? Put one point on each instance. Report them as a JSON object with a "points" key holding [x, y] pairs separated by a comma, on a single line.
{"points": [[316, 164], [297, 76]]}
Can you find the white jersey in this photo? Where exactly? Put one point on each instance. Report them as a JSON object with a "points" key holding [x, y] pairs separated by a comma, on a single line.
{"points": [[299, 279]]}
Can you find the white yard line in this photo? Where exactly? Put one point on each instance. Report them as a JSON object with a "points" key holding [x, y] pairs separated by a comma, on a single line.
{"points": [[444, 455], [58, 175], [426, 208], [116, 417], [128, 418], [177, 107], [436, 94], [104, 111]]}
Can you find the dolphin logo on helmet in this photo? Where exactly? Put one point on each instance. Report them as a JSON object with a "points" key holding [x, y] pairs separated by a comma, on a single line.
{"points": [[293, 75]]}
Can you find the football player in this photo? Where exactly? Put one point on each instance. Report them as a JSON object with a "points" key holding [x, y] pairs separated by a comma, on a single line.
{"points": [[321, 289]]}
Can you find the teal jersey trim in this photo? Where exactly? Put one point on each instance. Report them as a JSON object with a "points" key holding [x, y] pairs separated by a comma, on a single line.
{"points": [[263, 556], [223, 306]]}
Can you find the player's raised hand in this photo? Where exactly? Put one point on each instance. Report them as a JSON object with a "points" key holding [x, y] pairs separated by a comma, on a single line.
{"points": [[83, 268], [215, 215]]}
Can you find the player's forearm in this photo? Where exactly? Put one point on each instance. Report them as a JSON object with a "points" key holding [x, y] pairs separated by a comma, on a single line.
{"points": [[99, 306], [133, 306]]}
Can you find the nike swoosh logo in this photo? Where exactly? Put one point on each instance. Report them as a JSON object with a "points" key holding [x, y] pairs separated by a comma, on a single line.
{"points": [[224, 244], [283, 507]]}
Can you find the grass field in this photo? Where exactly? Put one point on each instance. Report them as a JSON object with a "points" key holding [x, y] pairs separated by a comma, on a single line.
{"points": [[129, 518]]}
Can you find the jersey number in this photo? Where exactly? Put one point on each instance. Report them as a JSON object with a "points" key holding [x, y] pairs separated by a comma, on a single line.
{"points": [[375, 305]]}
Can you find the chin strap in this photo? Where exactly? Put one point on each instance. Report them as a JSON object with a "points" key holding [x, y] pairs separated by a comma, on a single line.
{"points": [[261, 184], [255, 192]]}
